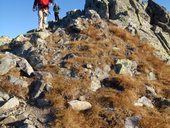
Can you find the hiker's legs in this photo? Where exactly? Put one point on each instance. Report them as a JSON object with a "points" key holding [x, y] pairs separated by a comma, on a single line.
{"points": [[56, 16], [40, 20], [45, 14]]}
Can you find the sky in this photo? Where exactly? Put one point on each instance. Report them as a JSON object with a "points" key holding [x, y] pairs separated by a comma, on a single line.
{"points": [[17, 17]]}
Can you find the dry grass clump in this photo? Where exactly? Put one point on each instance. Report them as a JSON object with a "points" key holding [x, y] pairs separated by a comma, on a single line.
{"points": [[123, 34], [53, 38], [67, 88], [14, 90], [93, 32]]}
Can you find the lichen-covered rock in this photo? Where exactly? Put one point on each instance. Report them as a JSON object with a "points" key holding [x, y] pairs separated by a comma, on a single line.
{"points": [[126, 67], [97, 76]]}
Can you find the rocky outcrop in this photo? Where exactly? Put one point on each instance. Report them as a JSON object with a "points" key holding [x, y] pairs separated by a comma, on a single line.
{"points": [[131, 15], [159, 16], [160, 19]]}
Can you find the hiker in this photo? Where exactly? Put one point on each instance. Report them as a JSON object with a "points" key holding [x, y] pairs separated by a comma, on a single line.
{"points": [[43, 11], [56, 10]]}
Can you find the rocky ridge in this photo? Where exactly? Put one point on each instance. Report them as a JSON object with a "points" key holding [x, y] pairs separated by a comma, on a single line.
{"points": [[149, 20], [105, 66]]}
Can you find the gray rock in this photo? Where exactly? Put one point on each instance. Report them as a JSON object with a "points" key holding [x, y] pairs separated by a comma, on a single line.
{"points": [[77, 25], [21, 38], [16, 81], [6, 64], [1, 100], [144, 101], [126, 67], [4, 95], [151, 76], [13, 119], [74, 13], [92, 14], [163, 37], [37, 60], [43, 35], [37, 88], [159, 15], [21, 49], [8, 120], [102, 73], [28, 124], [151, 90], [10, 104], [60, 32], [48, 87], [25, 66], [80, 105], [43, 75], [132, 29], [88, 66], [101, 7], [69, 56], [132, 122], [43, 103], [97, 76], [40, 45], [10, 61], [95, 84]]}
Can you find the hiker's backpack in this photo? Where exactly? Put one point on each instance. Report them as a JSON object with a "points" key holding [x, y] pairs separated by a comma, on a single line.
{"points": [[44, 2], [56, 8]]}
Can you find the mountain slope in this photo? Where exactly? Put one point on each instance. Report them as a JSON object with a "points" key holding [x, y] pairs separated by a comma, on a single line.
{"points": [[86, 71]]}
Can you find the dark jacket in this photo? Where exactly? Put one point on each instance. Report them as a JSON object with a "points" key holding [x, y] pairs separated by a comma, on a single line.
{"points": [[37, 2], [56, 8]]}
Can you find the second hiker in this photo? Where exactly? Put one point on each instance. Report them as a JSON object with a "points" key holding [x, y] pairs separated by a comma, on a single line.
{"points": [[56, 10], [43, 11]]}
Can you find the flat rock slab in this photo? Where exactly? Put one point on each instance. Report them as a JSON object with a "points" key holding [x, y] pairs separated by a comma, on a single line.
{"points": [[10, 104], [80, 105], [144, 101]]}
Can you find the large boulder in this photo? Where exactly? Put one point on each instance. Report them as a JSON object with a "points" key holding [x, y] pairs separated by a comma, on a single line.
{"points": [[160, 19], [100, 6], [159, 15]]}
